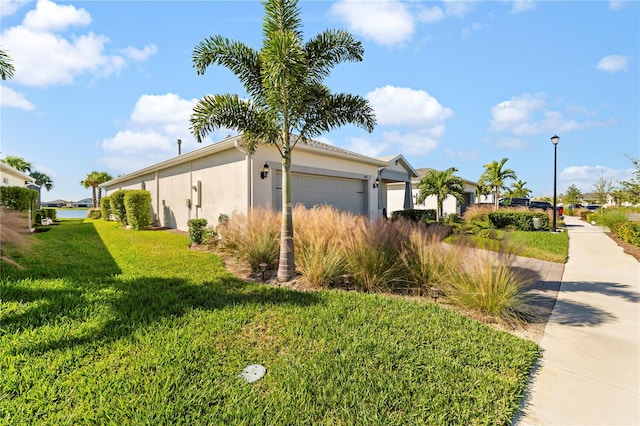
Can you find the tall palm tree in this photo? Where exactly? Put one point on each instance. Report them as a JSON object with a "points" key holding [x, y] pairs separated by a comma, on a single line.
{"points": [[519, 190], [287, 96], [441, 184], [92, 181], [6, 67], [17, 163], [494, 176], [101, 178], [42, 180]]}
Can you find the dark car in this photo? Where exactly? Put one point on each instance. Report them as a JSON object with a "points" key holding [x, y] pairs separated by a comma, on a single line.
{"points": [[514, 202], [543, 205]]}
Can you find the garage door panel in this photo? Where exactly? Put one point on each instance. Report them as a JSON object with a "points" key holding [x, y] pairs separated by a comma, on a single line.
{"points": [[311, 190]]}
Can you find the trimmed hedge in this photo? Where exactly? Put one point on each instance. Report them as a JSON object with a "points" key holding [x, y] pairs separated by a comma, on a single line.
{"points": [[138, 208], [118, 208], [105, 207], [518, 220], [628, 231], [95, 214], [18, 198], [415, 215], [45, 213]]}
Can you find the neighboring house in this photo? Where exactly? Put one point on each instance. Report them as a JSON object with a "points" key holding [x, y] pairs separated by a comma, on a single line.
{"points": [[222, 178], [54, 203], [395, 196], [85, 202], [13, 177]]}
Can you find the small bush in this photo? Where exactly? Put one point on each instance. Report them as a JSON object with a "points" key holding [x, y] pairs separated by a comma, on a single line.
{"points": [[628, 231], [95, 214], [197, 230], [519, 220], [118, 208], [44, 214], [138, 208], [105, 207], [415, 215]]}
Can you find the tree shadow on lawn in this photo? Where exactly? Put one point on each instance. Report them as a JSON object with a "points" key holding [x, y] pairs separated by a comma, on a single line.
{"points": [[143, 302]]}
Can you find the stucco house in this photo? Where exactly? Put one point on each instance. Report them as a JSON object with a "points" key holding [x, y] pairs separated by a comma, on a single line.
{"points": [[14, 177], [396, 196], [222, 178]]}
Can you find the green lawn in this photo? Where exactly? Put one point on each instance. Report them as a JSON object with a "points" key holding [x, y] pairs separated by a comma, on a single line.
{"points": [[538, 245], [105, 325]]}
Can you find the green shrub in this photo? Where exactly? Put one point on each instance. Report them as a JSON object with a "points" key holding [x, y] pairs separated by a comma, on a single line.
{"points": [[197, 230], [518, 220], [138, 208], [415, 215], [628, 231], [611, 218], [105, 207], [18, 198], [45, 213], [95, 213], [118, 208]]}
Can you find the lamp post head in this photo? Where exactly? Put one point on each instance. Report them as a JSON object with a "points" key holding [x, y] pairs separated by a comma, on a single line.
{"points": [[555, 139]]}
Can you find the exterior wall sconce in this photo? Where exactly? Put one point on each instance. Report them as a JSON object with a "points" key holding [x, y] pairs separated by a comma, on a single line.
{"points": [[265, 171], [376, 183]]}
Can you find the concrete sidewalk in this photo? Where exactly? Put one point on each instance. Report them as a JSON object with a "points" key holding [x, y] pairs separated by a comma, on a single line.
{"points": [[589, 372]]}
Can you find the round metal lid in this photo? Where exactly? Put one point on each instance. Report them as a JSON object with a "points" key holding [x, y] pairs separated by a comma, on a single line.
{"points": [[253, 372]]}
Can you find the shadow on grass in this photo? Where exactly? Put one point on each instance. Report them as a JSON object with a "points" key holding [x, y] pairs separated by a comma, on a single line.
{"points": [[140, 303]]}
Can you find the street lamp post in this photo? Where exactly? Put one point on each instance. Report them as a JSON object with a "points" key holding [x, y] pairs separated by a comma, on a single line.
{"points": [[555, 139]]}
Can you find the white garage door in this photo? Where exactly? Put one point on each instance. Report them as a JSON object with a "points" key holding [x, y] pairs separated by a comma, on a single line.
{"points": [[311, 190]]}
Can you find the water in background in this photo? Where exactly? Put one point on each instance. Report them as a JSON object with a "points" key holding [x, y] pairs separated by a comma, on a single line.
{"points": [[71, 213]]}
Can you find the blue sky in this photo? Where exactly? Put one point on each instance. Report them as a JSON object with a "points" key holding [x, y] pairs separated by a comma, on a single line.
{"points": [[110, 85]]}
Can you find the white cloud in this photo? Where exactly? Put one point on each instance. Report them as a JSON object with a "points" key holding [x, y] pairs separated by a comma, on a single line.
{"points": [[520, 6], [386, 22], [405, 106], [9, 7], [527, 115], [466, 31], [584, 177], [458, 8], [617, 5], [140, 54], [11, 98], [43, 56], [395, 142], [49, 16], [430, 14], [612, 63], [151, 134]]}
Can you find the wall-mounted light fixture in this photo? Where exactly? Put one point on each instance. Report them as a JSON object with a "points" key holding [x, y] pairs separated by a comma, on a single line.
{"points": [[265, 171], [376, 183]]}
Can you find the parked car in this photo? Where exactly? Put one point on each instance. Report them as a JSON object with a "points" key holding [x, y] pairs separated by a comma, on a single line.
{"points": [[514, 202], [544, 205]]}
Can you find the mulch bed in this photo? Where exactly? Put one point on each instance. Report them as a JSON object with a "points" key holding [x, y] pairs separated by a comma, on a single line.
{"points": [[628, 248]]}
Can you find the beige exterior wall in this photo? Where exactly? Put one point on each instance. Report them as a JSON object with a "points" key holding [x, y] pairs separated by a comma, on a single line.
{"points": [[12, 177], [229, 180]]}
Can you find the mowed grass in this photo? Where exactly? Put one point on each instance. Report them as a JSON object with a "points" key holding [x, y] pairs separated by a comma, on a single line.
{"points": [[110, 326]]}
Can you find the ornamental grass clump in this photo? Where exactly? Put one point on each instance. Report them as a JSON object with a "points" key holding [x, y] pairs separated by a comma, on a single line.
{"points": [[319, 236], [373, 250], [486, 282], [426, 259], [255, 238]]}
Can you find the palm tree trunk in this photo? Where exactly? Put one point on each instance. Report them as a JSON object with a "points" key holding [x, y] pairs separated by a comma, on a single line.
{"points": [[94, 195], [286, 264]]}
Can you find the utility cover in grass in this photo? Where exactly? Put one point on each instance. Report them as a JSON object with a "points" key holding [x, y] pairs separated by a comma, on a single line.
{"points": [[253, 372]]}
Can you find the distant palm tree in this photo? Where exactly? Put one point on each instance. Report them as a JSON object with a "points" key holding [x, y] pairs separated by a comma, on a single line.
{"points": [[519, 190], [286, 95], [6, 67], [441, 184], [42, 180], [494, 176], [93, 181], [17, 163]]}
